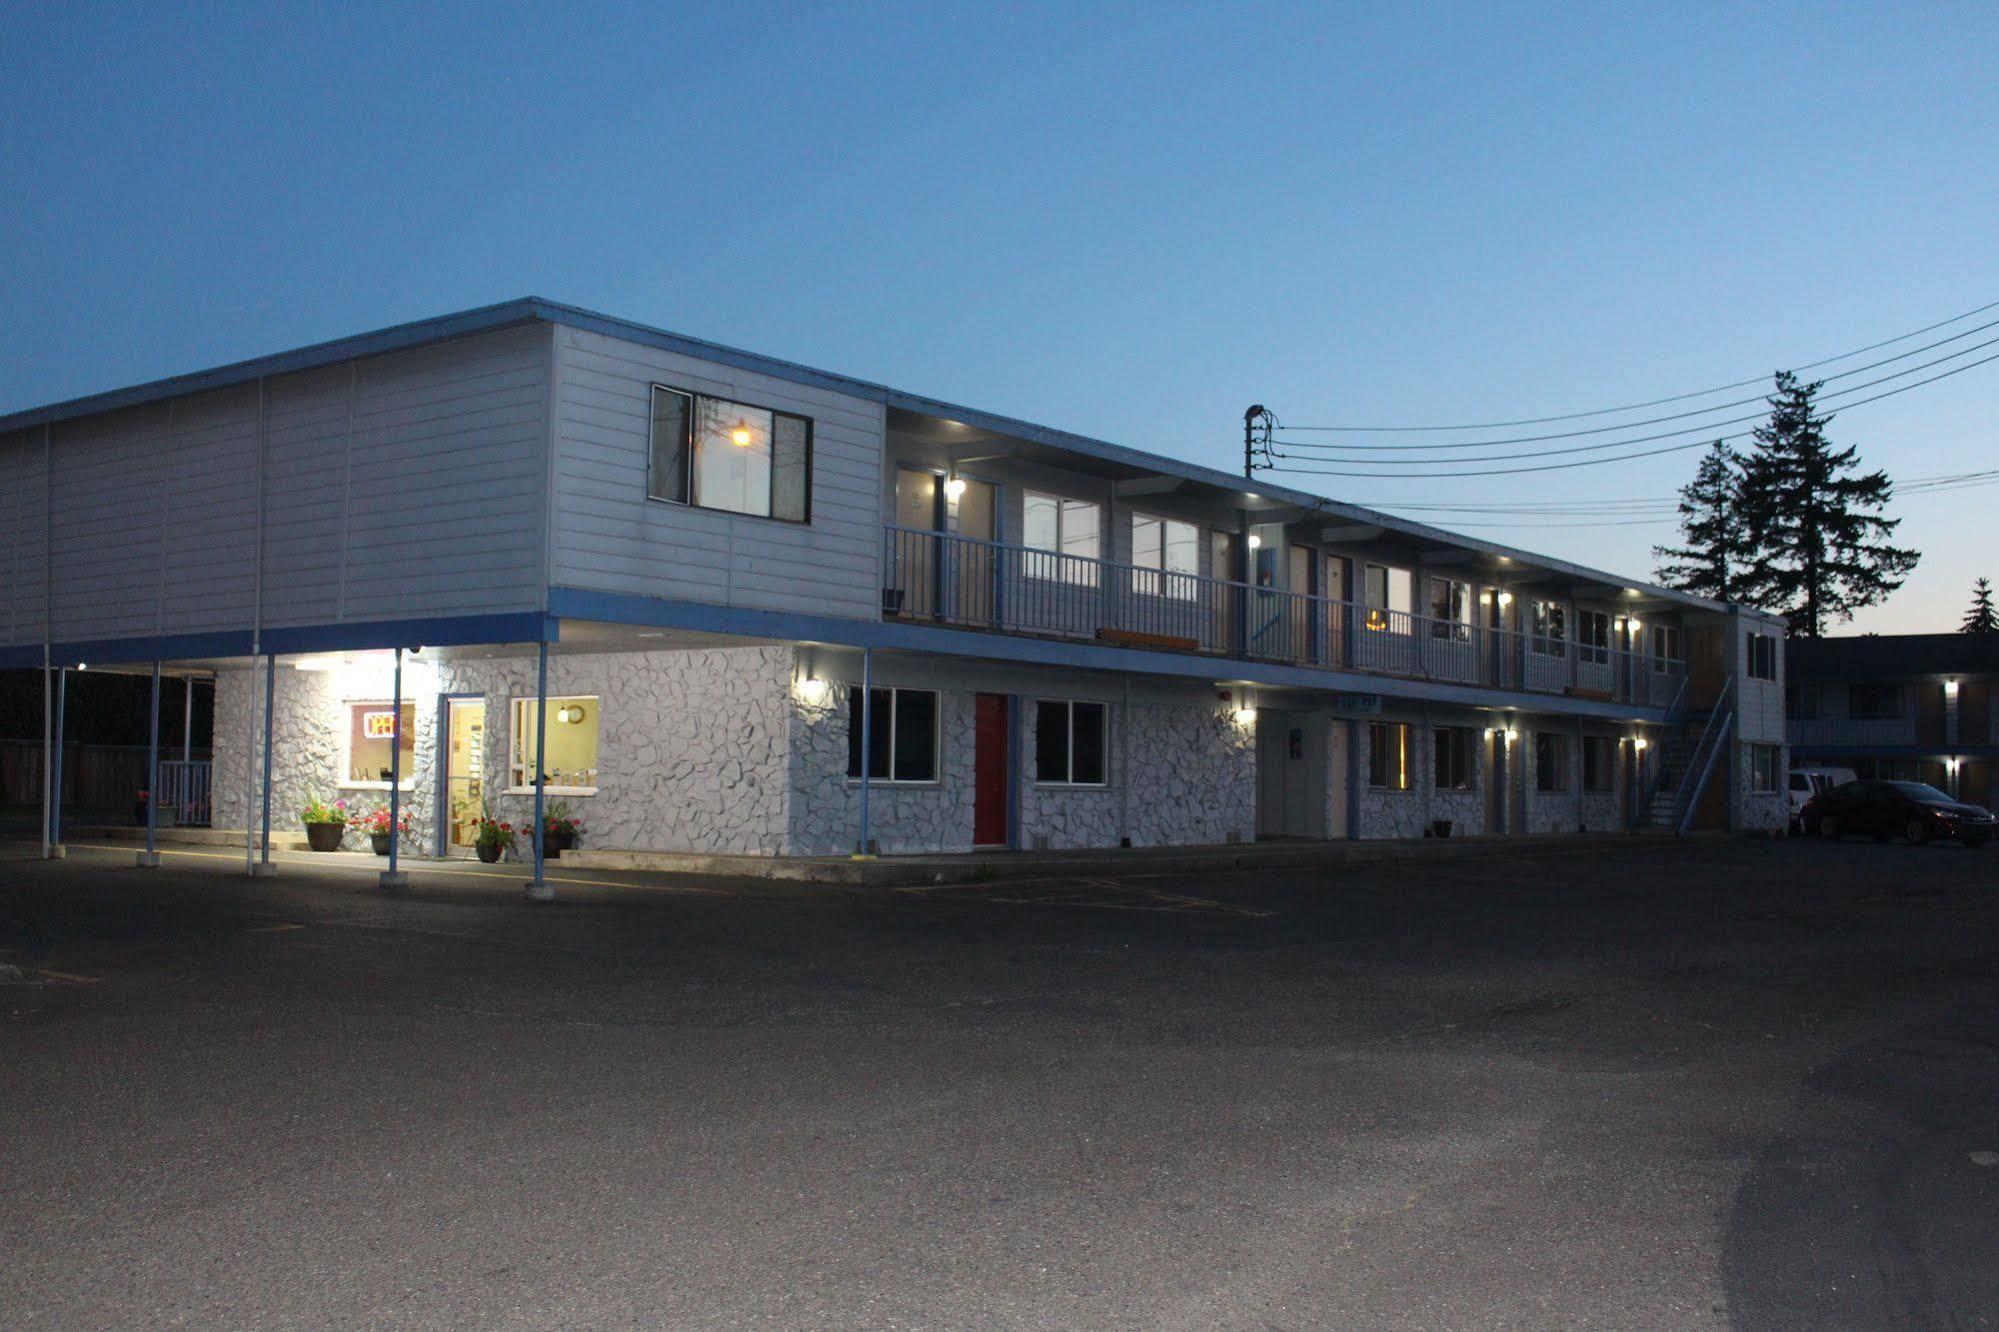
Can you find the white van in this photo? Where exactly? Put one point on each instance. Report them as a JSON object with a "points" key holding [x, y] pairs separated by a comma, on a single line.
{"points": [[1808, 782]]}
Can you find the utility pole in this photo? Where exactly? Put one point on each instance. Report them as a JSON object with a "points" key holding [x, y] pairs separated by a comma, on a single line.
{"points": [[1256, 416]]}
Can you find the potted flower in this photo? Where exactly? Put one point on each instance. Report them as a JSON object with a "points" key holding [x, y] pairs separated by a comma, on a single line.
{"points": [[325, 824], [381, 828], [495, 838], [561, 830]]}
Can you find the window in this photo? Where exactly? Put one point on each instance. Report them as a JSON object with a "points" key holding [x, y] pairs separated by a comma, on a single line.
{"points": [[1874, 702], [1388, 756], [1550, 629], [373, 733], [1069, 743], [1593, 636], [1766, 765], [1168, 556], [1455, 770], [573, 726], [902, 745], [1062, 527], [1801, 702], [1551, 761], [1450, 609], [1599, 763], [1387, 592], [717, 454], [1665, 646], [1762, 657]]}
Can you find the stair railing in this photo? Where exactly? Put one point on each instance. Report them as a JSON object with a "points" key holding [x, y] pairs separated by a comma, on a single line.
{"points": [[1712, 741]]}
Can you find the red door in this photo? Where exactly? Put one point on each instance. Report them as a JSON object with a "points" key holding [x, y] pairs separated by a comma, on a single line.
{"points": [[989, 772]]}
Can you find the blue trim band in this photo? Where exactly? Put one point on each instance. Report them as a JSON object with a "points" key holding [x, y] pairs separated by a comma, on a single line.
{"points": [[517, 627]]}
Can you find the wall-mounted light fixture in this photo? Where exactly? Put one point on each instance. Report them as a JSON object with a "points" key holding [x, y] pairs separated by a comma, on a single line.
{"points": [[1512, 736], [1247, 716], [954, 489], [813, 690], [1255, 541], [1950, 691], [1641, 744], [1506, 598]]}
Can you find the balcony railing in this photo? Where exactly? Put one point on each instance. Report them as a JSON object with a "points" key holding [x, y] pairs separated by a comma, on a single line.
{"points": [[943, 578]]}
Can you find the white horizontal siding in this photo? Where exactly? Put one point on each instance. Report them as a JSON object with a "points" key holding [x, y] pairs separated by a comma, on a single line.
{"points": [[609, 537], [410, 485]]}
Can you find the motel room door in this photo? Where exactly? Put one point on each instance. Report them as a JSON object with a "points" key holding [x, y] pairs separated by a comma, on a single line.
{"points": [[990, 768], [1290, 774]]}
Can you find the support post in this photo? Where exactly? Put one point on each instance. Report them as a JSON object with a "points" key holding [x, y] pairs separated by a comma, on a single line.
{"points": [[55, 791], [48, 756], [270, 723], [867, 723], [187, 722], [250, 769], [538, 888], [150, 857], [393, 877]]}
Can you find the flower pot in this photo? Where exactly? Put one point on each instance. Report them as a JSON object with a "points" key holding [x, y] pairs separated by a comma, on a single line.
{"points": [[324, 836], [489, 852], [1440, 827], [381, 841], [553, 844]]}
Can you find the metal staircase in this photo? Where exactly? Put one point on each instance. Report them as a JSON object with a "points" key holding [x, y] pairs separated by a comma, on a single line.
{"points": [[1687, 763]]}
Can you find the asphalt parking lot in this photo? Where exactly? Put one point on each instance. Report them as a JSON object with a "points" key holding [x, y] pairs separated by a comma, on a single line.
{"points": [[1650, 1084]]}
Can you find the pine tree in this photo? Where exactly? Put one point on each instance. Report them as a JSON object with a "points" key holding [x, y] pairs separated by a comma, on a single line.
{"points": [[1714, 561], [1822, 549], [1980, 619]]}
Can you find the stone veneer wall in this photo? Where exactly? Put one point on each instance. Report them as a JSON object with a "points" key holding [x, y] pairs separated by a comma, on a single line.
{"points": [[1193, 774], [692, 750], [1388, 814], [1758, 812], [1562, 811], [902, 817]]}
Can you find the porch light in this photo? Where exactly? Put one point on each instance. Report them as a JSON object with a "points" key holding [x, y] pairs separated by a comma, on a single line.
{"points": [[813, 690], [1512, 735], [1641, 744], [954, 489], [1255, 541], [1949, 691], [1247, 716], [1506, 598], [1633, 625], [739, 434], [83, 665]]}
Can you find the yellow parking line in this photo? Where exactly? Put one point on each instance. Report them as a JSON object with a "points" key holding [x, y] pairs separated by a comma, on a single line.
{"points": [[66, 976], [419, 867]]}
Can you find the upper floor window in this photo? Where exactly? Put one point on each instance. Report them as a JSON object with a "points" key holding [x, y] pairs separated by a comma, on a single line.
{"points": [[1450, 609], [1593, 635], [1068, 528], [1762, 657], [1167, 554], [1665, 644], [1874, 702], [1550, 629], [717, 454], [1387, 592], [1801, 702]]}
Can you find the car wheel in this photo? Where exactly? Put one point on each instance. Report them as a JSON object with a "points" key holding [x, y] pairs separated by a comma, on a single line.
{"points": [[1917, 833], [1828, 827]]}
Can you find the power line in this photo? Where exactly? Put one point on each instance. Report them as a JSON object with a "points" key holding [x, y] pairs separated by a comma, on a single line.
{"points": [[1701, 429], [1659, 420], [1647, 453], [1655, 402]]}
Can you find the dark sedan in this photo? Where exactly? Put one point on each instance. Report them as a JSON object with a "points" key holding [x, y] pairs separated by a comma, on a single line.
{"points": [[1912, 811]]}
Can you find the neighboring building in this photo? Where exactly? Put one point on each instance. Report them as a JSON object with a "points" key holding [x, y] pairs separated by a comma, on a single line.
{"points": [[1070, 643], [1916, 707]]}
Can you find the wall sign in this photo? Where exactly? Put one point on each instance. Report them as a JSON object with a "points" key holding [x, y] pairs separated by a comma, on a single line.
{"points": [[378, 725], [1357, 704]]}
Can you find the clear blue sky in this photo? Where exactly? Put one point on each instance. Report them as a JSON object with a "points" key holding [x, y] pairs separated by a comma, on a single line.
{"points": [[1130, 221]]}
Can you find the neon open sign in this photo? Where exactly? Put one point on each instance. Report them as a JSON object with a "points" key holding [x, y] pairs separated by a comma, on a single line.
{"points": [[378, 725]]}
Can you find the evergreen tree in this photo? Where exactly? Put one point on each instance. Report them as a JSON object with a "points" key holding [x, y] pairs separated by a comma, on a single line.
{"points": [[1822, 549], [1714, 559], [1980, 619]]}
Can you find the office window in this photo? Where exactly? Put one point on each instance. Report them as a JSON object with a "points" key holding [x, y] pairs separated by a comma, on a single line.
{"points": [[1456, 768], [1388, 756], [1593, 636], [1874, 702], [717, 454], [902, 735], [1666, 646], [1450, 609], [1550, 629], [372, 733], [1762, 657], [1167, 554], [1551, 761], [1599, 763], [1766, 768], [572, 744], [1062, 527], [1070, 743]]}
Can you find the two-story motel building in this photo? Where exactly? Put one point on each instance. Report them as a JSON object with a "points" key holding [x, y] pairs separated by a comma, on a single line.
{"points": [[1064, 642]]}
